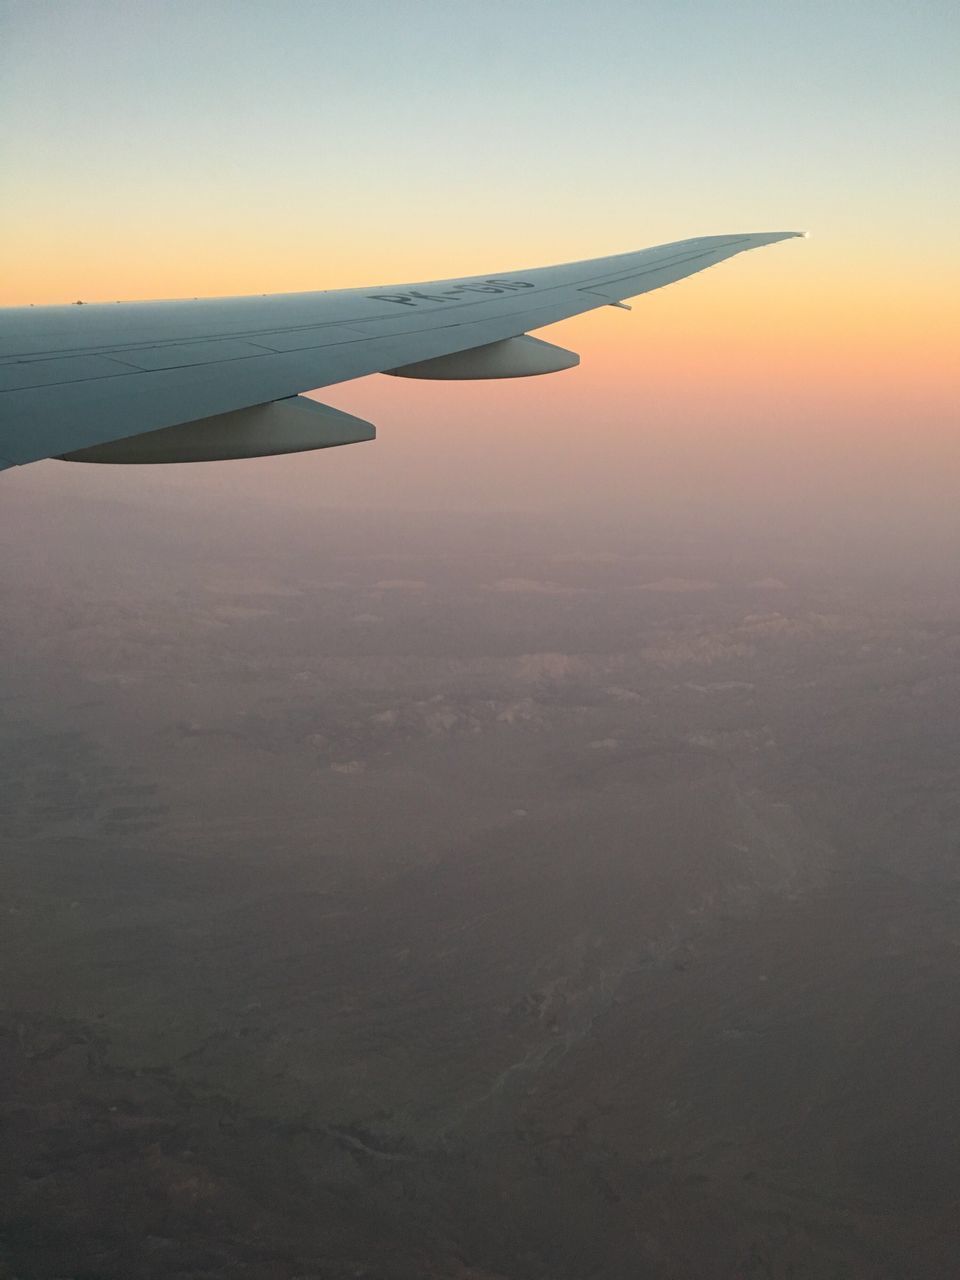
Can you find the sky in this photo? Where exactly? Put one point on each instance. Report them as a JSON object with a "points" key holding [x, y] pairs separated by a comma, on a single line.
{"points": [[172, 149]]}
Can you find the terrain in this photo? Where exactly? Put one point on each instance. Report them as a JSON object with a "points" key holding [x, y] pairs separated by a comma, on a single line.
{"points": [[480, 898]]}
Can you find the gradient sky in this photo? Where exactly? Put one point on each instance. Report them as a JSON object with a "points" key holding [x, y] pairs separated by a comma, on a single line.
{"points": [[169, 149]]}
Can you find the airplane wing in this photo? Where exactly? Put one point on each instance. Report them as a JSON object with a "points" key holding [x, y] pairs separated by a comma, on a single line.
{"points": [[223, 377]]}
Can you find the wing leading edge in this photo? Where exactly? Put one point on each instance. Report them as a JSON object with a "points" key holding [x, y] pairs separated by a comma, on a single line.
{"points": [[76, 377]]}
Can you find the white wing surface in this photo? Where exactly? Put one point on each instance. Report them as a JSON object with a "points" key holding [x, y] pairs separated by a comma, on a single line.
{"points": [[79, 378]]}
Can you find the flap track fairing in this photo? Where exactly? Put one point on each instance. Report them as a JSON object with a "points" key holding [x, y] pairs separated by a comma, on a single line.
{"points": [[522, 357], [292, 425]]}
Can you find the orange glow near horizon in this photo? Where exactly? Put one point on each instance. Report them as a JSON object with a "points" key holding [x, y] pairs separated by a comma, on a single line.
{"points": [[790, 319]]}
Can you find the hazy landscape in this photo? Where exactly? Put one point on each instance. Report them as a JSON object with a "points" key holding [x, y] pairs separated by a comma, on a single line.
{"points": [[478, 897]]}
